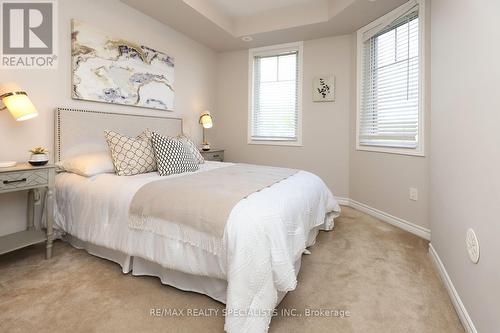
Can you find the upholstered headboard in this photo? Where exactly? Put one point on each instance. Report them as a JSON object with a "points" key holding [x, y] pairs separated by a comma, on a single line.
{"points": [[82, 131]]}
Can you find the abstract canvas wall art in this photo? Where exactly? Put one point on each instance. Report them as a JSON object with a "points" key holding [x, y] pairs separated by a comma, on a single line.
{"points": [[113, 70]]}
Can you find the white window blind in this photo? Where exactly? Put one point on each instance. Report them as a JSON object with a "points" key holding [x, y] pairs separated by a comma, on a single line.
{"points": [[389, 111], [275, 105]]}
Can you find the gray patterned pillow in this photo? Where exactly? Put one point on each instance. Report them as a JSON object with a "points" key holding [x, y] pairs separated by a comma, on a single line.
{"points": [[131, 156], [192, 148], [172, 156]]}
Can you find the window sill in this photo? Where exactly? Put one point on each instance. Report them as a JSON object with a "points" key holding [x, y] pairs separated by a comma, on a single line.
{"points": [[388, 150], [275, 143]]}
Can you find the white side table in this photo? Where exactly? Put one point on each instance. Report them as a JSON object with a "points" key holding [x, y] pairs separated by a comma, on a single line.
{"points": [[26, 177], [213, 155]]}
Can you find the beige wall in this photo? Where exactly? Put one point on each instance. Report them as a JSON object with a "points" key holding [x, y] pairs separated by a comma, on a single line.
{"points": [[194, 76], [325, 149], [465, 148], [382, 181]]}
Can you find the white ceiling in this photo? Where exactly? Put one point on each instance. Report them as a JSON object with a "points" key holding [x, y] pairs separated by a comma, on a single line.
{"points": [[220, 24], [239, 8]]}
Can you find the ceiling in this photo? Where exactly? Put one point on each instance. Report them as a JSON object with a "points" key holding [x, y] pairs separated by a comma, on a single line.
{"points": [[221, 24], [237, 8]]}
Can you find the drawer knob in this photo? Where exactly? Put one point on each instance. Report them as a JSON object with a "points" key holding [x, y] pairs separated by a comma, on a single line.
{"points": [[7, 182]]}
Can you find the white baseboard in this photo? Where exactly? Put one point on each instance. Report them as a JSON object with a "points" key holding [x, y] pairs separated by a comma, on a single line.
{"points": [[388, 218], [395, 221], [343, 201], [455, 297]]}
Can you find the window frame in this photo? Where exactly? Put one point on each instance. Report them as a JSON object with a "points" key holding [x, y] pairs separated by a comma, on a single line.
{"points": [[420, 149], [270, 51]]}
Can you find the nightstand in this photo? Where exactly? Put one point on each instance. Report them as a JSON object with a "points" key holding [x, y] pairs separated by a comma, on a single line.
{"points": [[26, 177], [213, 155]]}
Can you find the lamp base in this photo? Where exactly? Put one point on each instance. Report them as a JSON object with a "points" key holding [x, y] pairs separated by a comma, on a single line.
{"points": [[7, 164], [205, 146]]}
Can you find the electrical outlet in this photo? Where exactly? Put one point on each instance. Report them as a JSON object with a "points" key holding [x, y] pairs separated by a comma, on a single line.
{"points": [[413, 194]]}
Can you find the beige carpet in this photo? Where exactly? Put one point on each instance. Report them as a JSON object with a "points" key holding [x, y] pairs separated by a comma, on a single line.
{"points": [[381, 275]]}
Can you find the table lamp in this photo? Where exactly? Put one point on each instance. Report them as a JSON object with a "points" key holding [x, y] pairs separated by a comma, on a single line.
{"points": [[206, 121], [19, 105]]}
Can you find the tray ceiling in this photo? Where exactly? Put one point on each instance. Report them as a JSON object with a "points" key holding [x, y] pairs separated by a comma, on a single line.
{"points": [[221, 24]]}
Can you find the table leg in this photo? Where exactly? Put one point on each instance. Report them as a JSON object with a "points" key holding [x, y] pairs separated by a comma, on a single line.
{"points": [[50, 219], [31, 209]]}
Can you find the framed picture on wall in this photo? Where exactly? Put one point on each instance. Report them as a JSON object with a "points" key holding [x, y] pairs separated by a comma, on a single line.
{"points": [[113, 70], [324, 88]]}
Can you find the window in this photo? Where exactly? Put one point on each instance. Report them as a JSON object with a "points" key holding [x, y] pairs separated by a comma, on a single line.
{"points": [[390, 108], [275, 95]]}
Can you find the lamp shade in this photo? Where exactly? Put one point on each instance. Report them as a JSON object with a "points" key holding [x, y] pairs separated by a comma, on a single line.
{"points": [[17, 102], [206, 120]]}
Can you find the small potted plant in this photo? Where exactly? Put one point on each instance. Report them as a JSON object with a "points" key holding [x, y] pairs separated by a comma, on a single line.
{"points": [[39, 156]]}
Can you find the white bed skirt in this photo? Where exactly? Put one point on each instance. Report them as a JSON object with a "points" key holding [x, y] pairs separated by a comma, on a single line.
{"points": [[212, 287]]}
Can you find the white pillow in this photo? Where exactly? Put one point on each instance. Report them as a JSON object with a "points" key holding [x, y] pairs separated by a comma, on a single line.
{"points": [[88, 165]]}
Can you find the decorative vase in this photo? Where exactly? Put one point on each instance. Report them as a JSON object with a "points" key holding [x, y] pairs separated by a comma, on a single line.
{"points": [[39, 159]]}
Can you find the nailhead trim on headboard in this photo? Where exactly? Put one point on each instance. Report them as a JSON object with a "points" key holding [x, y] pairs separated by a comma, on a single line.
{"points": [[58, 123]]}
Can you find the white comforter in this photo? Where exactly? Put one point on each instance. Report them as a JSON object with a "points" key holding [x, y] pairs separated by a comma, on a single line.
{"points": [[265, 234]]}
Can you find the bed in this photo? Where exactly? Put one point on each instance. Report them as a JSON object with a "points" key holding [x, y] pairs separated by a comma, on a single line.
{"points": [[264, 237]]}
